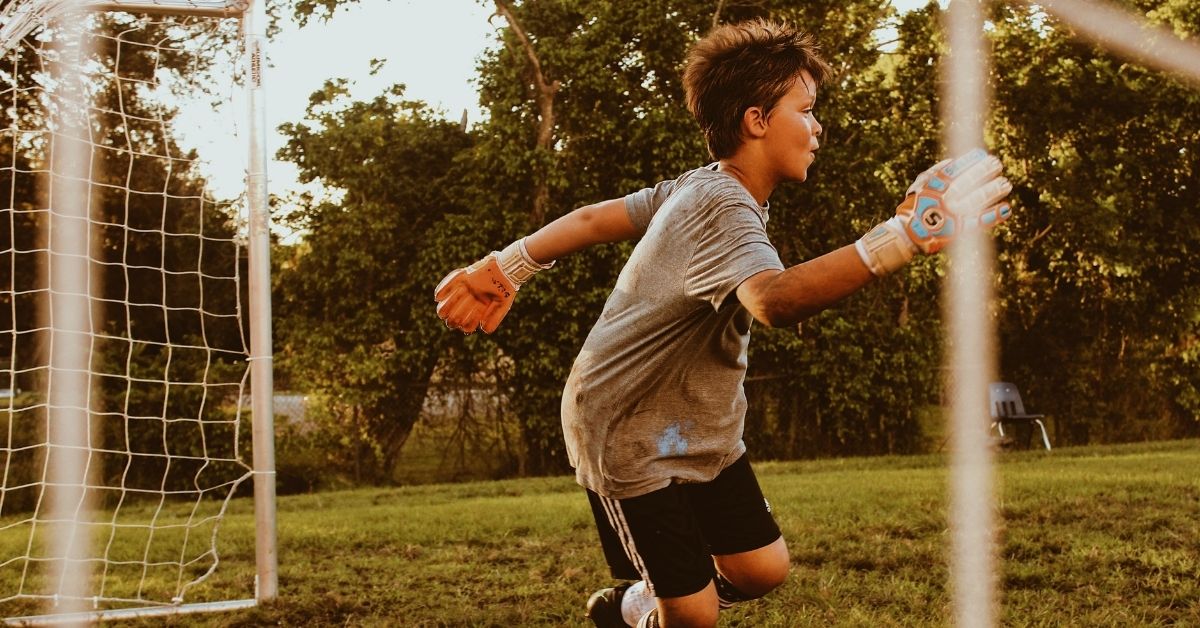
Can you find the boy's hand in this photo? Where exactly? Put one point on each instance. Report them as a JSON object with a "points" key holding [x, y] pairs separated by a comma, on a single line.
{"points": [[944, 201], [480, 295], [952, 197]]}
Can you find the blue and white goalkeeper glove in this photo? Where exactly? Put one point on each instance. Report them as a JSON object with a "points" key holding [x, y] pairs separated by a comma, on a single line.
{"points": [[948, 199]]}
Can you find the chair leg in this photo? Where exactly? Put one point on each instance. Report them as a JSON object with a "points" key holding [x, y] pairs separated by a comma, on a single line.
{"points": [[1045, 437]]}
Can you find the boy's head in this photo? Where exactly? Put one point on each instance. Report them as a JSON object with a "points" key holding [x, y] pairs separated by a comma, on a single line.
{"points": [[739, 66]]}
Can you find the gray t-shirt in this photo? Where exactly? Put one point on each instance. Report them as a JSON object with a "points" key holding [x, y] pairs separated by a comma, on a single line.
{"points": [[656, 394]]}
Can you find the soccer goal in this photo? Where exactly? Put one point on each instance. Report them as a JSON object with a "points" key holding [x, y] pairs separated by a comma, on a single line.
{"points": [[971, 358], [134, 312]]}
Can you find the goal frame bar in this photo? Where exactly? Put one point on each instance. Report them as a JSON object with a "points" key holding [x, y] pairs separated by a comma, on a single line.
{"points": [[254, 20], [968, 292]]}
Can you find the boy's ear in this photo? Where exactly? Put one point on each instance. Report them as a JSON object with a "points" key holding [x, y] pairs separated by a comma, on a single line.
{"points": [[754, 122]]}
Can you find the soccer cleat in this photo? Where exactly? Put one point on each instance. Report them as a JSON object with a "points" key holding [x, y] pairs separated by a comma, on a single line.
{"points": [[604, 607]]}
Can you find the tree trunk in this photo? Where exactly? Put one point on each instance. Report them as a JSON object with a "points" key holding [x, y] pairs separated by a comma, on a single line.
{"points": [[544, 91], [401, 416]]}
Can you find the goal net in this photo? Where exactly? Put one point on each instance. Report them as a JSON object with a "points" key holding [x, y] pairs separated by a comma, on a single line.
{"points": [[127, 310], [971, 358]]}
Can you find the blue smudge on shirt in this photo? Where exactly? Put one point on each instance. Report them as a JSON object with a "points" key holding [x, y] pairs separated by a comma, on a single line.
{"points": [[672, 442]]}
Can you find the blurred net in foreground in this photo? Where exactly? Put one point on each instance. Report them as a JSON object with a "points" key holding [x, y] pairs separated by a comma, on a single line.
{"points": [[971, 330]]}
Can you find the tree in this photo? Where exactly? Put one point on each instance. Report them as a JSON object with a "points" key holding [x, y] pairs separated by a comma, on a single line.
{"points": [[544, 90], [354, 309], [1100, 307], [1090, 274], [855, 379]]}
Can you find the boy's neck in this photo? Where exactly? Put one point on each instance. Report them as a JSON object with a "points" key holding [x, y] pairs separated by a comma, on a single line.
{"points": [[758, 185]]}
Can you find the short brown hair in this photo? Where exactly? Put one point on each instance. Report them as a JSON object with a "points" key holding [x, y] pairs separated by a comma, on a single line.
{"points": [[738, 66]]}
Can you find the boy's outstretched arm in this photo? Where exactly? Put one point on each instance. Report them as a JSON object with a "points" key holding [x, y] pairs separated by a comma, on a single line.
{"points": [[781, 298], [951, 197], [480, 295]]}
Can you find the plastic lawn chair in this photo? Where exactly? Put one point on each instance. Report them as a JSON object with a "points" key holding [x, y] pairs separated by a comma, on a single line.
{"points": [[1006, 405]]}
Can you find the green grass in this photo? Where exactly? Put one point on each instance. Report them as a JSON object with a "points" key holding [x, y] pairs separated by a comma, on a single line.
{"points": [[1102, 536]]}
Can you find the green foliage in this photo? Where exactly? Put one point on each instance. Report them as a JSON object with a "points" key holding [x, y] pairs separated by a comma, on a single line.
{"points": [[353, 311], [852, 379], [1097, 276], [1095, 289]]}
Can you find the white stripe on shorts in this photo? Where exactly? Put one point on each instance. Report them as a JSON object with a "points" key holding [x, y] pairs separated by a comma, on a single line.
{"points": [[616, 517]]}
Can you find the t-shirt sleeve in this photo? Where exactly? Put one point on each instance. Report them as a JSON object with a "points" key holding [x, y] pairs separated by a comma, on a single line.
{"points": [[733, 248], [642, 205]]}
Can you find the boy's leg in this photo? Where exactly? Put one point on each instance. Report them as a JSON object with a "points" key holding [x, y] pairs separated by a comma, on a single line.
{"points": [[748, 549], [605, 606], [659, 537], [750, 575], [697, 609]]}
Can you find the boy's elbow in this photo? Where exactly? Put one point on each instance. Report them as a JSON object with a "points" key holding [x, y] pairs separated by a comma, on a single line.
{"points": [[777, 310], [778, 317], [760, 296], [772, 312], [777, 303]]}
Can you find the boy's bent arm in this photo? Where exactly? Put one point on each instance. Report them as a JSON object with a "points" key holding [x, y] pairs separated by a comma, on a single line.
{"points": [[480, 295], [783, 298], [603, 222]]}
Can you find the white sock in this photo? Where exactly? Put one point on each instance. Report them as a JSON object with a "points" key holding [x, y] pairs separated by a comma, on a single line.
{"points": [[637, 602]]}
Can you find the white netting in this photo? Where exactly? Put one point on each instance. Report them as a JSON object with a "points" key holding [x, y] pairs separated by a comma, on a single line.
{"points": [[971, 359], [166, 353]]}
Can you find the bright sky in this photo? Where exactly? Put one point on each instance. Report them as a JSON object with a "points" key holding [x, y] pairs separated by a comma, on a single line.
{"points": [[431, 46]]}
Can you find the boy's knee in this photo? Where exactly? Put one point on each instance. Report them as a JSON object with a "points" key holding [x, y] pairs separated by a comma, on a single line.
{"points": [[755, 574], [773, 572], [749, 586], [769, 578]]}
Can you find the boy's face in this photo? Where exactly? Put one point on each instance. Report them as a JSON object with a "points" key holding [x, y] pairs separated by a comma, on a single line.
{"points": [[792, 130]]}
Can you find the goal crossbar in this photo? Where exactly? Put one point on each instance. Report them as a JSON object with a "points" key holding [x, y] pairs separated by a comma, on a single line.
{"points": [[205, 8], [21, 18]]}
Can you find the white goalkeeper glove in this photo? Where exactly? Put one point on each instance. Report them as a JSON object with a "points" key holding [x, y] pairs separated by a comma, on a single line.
{"points": [[942, 202]]}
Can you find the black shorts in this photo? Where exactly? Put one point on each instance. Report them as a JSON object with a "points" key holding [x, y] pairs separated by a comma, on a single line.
{"points": [[668, 537]]}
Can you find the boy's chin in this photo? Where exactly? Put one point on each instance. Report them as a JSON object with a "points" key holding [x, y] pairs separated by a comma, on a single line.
{"points": [[800, 174]]}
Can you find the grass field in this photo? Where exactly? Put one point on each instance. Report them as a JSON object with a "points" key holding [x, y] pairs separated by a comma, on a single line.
{"points": [[1101, 536]]}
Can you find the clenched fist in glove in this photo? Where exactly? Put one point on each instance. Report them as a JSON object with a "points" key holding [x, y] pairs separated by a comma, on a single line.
{"points": [[480, 295], [944, 201]]}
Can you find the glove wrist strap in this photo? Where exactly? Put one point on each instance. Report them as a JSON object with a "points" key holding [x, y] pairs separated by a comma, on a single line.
{"points": [[516, 263], [886, 248]]}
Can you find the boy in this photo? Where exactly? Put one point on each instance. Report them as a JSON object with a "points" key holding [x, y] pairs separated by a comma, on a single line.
{"points": [[654, 407]]}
